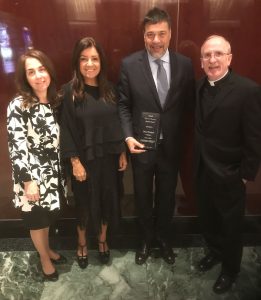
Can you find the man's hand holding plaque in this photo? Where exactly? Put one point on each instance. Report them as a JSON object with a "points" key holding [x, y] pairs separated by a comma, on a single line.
{"points": [[134, 146]]}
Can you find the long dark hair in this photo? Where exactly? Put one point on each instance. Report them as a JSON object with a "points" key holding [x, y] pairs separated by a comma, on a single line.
{"points": [[23, 87], [105, 88]]}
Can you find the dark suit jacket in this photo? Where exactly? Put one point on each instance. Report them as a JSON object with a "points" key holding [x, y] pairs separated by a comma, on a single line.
{"points": [[228, 140], [138, 94]]}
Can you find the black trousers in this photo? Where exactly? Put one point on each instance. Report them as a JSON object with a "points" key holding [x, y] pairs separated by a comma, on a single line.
{"points": [[153, 175], [221, 214]]}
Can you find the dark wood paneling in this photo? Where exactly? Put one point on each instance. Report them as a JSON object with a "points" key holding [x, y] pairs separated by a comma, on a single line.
{"points": [[54, 26]]}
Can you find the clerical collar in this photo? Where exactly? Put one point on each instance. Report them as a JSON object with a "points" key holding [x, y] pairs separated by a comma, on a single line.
{"points": [[215, 82]]}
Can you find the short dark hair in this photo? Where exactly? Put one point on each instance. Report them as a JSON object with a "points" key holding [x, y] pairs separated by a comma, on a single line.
{"points": [[78, 80], [24, 88], [156, 15]]}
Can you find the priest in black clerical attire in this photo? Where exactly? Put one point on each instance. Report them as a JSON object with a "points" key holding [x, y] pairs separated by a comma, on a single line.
{"points": [[228, 150]]}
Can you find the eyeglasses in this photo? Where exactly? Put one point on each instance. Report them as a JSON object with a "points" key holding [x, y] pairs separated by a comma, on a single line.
{"points": [[151, 35], [216, 54]]}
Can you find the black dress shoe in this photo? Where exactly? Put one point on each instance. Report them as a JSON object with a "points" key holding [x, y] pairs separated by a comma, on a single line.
{"points": [[167, 252], [61, 260], [82, 259], [208, 262], [142, 254], [51, 277], [104, 256], [223, 283]]}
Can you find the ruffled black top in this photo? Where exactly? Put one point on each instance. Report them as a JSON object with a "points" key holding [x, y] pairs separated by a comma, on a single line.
{"points": [[90, 128]]}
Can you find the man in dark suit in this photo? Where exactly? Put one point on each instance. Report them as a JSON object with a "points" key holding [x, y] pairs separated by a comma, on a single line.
{"points": [[141, 90], [228, 149]]}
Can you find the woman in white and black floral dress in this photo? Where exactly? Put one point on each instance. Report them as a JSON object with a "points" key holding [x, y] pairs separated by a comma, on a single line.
{"points": [[33, 140]]}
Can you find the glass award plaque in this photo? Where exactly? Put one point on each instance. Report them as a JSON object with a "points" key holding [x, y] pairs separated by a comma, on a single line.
{"points": [[150, 126]]}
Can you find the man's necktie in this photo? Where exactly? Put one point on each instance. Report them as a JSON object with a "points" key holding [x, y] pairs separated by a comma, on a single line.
{"points": [[162, 81]]}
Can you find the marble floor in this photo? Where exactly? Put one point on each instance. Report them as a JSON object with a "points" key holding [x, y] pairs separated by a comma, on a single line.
{"points": [[123, 279]]}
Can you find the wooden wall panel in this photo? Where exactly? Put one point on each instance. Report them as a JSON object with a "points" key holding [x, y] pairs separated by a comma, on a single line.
{"points": [[54, 26]]}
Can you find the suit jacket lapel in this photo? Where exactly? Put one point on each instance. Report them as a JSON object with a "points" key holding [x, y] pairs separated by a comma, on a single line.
{"points": [[174, 73], [145, 66]]}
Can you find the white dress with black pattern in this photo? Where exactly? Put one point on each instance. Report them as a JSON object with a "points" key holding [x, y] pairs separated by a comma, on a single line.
{"points": [[33, 140]]}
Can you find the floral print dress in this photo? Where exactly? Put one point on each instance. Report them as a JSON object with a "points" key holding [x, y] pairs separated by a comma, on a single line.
{"points": [[33, 141]]}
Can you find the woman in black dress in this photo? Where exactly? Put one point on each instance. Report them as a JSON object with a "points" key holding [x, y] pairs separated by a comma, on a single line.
{"points": [[92, 143], [33, 140]]}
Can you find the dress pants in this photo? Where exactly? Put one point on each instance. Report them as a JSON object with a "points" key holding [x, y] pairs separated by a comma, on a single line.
{"points": [[221, 213], [154, 174]]}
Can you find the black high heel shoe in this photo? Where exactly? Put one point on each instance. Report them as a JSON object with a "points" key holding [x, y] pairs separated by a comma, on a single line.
{"points": [[104, 256], [61, 260], [51, 277], [82, 259]]}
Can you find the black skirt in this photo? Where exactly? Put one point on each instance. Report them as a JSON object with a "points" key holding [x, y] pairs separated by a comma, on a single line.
{"points": [[39, 217], [97, 199]]}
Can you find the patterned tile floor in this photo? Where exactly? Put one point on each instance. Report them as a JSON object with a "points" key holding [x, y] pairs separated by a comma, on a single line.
{"points": [[123, 279]]}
